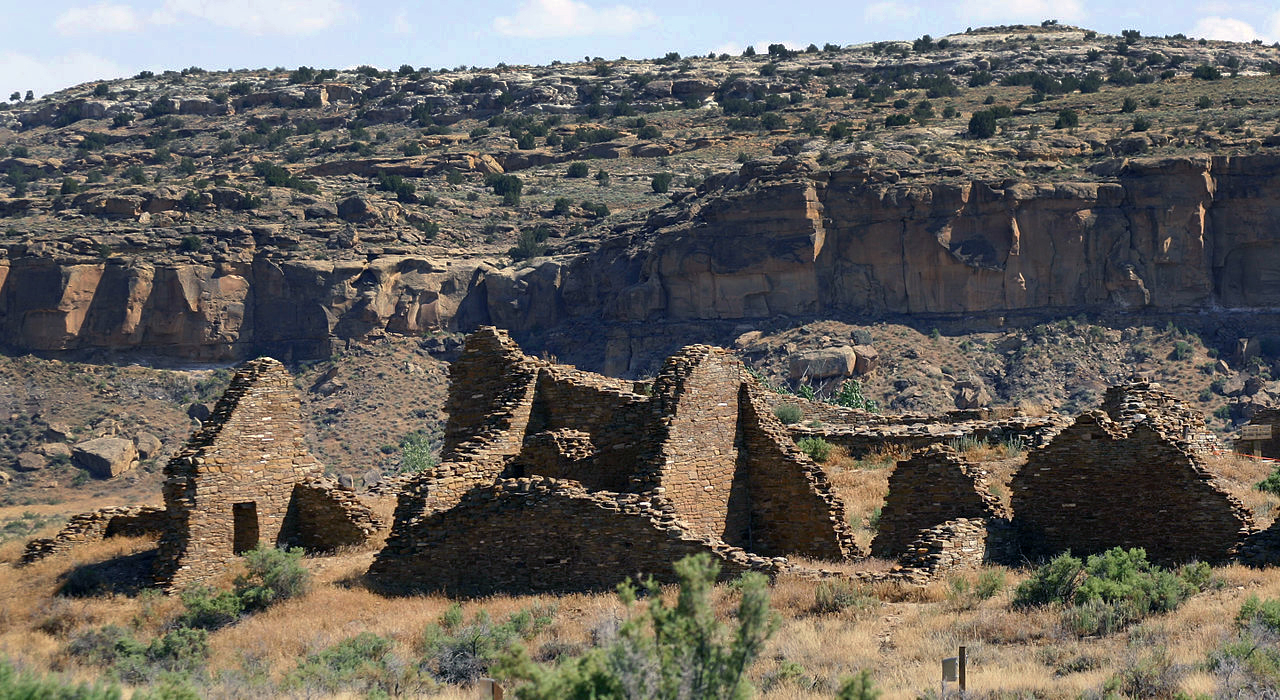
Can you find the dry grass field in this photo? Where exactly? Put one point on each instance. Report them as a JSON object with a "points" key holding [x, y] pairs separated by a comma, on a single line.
{"points": [[827, 630]]}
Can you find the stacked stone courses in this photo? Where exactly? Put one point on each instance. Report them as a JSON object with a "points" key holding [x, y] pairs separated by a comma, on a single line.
{"points": [[94, 526], [696, 463], [934, 486], [1103, 483]]}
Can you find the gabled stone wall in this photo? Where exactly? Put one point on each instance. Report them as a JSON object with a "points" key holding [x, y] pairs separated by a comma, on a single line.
{"points": [[696, 394], [791, 504], [934, 486], [1103, 484], [231, 485]]}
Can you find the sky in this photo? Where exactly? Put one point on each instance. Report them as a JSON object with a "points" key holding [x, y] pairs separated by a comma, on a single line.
{"points": [[48, 46]]}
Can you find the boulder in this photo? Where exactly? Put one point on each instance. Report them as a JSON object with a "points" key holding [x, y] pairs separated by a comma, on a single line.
{"points": [[971, 394], [868, 359], [371, 477], [821, 364], [106, 457], [199, 411], [148, 445], [55, 450], [29, 462], [57, 432]]}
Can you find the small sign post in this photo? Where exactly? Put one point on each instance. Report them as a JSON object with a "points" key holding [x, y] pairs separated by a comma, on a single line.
{"points": [[950, 672], [1257, 434], [490, 689], [964, 659]]}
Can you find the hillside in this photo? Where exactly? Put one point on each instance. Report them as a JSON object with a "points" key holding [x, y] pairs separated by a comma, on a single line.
{"points": [[1110, 211]]}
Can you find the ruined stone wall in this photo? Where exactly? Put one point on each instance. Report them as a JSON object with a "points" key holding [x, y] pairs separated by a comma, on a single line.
{"points": [[934, 486], [323, 517], [619, 424], [522, 535], [963, 543], [230, 486], [83, 528], [696, 394], [858, 441], [1146, 400], [792, 507], [1101, 484]]}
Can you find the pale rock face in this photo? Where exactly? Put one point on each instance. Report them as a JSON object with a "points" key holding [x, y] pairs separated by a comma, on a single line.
{"points": [[106, 457], [823, 364]]}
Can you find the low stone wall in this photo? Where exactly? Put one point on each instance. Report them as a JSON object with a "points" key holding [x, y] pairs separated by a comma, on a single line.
{"points": [[858, 441], [94, 526], [963, 543], [522, 535], [1104, 484], [934, 486]]}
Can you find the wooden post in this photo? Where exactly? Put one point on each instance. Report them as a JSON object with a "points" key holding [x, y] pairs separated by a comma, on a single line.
{"points": [[963, 659]]}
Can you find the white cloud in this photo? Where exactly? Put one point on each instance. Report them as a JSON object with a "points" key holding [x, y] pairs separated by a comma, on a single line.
{"points": [[546, 19], [97, 19], [290, 17], [22, 72], [400, 24], [1025, 10], [889, 11], [1225, 29]]}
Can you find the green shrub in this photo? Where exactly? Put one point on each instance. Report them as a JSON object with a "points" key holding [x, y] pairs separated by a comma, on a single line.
{"points": [[1182, 351], [859, 687], [1206, 72], [1264, 612], [665, 652], [788, 413], [819, 450], [1067, 119], [190, 244], [15, 685], [1111, 590], [990, 583], [836, 595], [210, 609], [274, 575], [1142, 124], [527, 247], [851, 396], [982, 124], [662, 182], [362, 663]]}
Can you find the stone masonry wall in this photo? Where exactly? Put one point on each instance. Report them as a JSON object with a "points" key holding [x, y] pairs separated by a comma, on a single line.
{"points": [[934, 486], [697, 395], [124, 521], [962, 543], [1102, 484], [323, 517], [522, 535], [1145, 400], [618, 421], [234, 476], [791, 504]]}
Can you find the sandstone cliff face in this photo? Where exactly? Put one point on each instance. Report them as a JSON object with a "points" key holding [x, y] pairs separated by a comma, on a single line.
{"points": [[1164, 235]]}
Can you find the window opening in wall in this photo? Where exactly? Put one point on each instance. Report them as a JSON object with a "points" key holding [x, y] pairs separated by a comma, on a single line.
{"points": [[245, 518]]}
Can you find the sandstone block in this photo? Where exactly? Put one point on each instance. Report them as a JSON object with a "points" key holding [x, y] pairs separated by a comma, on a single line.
{"points": [[29, 462], [105, 458], [148, 445], [868, 359], [821, 364]]}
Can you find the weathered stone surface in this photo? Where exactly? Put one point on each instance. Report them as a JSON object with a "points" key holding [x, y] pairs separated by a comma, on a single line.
{"points": [[932, 487], [1127, 477], [823, 364], [127, 521], [105, 457], [29, 462], [148, 445], [631, 481]]}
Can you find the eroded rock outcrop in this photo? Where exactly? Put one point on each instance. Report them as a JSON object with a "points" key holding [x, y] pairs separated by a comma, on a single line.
{"points": [[780, 237]]}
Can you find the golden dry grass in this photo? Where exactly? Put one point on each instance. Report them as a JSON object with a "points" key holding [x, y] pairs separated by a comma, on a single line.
{"points": [[1238, 474], [900, 632]]}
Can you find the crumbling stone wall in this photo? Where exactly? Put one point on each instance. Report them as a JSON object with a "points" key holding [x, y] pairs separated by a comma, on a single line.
{"points": [[1142, 399], [1102, 484], [934, 486], [94, 526], [231, 485], [521, 535], [699, 445], [323, 517], [791, 505], [912, 434], [963, 543]]}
